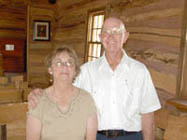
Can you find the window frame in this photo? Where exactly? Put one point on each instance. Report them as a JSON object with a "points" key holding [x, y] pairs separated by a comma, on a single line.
{"points": [[89, 31]]}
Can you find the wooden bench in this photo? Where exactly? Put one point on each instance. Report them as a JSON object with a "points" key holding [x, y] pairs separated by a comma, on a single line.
{"points": [[8, 95], [13, 121], [3, 81], [161, 120], [17, 81], [176, 128]]}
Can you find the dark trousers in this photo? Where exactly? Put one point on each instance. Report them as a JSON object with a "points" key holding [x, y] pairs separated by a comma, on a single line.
{"points": [[134, 136]]}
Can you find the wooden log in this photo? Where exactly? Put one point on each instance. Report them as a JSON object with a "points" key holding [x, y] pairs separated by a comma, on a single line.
{"points": [[12, 34], [42, 12], [157, 31], [171, 41], [154, 14], [75, 4], [139, 45], [163, 81]]}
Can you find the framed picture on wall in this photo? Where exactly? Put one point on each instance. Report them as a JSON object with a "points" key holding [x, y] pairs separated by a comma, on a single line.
{"points": [[41, 30]]}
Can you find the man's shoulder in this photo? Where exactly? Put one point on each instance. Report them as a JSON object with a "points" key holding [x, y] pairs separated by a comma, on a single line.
{"points": [[135, 64], [92, 64]]}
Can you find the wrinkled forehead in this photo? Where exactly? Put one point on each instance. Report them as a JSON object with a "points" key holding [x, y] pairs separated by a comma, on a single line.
{"points": [[113, 23]]}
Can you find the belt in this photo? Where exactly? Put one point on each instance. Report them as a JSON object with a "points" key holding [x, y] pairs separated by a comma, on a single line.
{"points": [[115, 133]]}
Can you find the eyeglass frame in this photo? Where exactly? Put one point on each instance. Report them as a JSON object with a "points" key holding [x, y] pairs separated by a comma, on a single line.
{"points": [[113, 31], [59, 63]]}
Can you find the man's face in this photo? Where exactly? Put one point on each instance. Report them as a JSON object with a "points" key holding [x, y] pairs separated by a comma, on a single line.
{"points": [[113, 35]]}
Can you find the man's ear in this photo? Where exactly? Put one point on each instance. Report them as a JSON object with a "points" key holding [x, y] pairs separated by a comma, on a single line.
{"points": [[126, 36]]}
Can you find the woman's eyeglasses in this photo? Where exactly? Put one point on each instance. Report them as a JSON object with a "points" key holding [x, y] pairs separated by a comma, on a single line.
{"points": [[59, 63]]}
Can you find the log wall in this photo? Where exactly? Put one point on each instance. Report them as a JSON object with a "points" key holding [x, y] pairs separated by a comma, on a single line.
{"points": [[13, 19], [155, 30], [155, 33], [37, 72]]}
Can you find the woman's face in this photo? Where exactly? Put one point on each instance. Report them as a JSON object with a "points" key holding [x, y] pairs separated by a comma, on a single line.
{"points": [[63, 68]]}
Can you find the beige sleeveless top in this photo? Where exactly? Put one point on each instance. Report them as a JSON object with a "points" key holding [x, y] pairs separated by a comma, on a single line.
{"points": [[69, 125]]}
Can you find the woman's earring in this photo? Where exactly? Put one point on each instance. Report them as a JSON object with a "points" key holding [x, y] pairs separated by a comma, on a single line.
{"points": [[51, 76]]}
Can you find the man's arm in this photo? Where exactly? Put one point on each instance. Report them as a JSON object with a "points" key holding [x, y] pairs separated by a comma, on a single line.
{"points": [[33, 128], [91, 130], [148, 126], [32, 97]]}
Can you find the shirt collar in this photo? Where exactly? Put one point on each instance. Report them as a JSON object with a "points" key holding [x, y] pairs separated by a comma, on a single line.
{"points": [[124, 61]]}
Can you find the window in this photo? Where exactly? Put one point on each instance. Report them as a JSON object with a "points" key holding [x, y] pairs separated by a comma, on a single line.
{"points": [[94, 29]]}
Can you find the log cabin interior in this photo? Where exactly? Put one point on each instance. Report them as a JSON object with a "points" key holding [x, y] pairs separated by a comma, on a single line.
{"points": [[158, 38]]}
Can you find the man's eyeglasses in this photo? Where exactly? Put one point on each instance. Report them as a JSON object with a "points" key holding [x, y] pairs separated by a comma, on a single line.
{"points": [[59, 63], [115, 31]]}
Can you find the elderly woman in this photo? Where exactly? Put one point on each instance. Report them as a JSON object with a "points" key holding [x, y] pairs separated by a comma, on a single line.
{"points": [[64, 112]]}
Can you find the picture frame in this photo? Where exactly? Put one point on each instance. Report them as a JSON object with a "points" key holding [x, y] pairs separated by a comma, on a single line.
{"points": [[41, 30]]}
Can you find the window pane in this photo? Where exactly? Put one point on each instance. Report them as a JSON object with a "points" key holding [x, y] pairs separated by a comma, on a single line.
{"points": [[94, 53], [91, 58], [98, 33], [94, 36], [100, 22], [95, 22], [90, 49], [98, 50]]}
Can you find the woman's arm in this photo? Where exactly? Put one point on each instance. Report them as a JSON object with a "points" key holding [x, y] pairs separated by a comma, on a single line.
{"points": [[33, 128], [91, 130]]}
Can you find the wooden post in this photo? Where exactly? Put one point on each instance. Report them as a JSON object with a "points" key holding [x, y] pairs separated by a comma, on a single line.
{"points": [[182, 74], [28, 40]]}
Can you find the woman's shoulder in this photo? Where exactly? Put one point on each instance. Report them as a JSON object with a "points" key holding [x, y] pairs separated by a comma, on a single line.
{"points": [[85, 95], [43, 97]]}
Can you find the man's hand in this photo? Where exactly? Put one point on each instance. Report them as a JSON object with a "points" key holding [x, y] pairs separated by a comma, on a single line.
{"points": [[32, 98]]}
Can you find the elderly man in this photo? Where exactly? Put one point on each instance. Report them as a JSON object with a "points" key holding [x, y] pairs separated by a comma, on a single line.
{"points": [[121, 87]]}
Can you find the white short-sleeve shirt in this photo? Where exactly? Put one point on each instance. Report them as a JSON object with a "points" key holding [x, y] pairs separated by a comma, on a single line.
{"points": [[122, 95]]}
